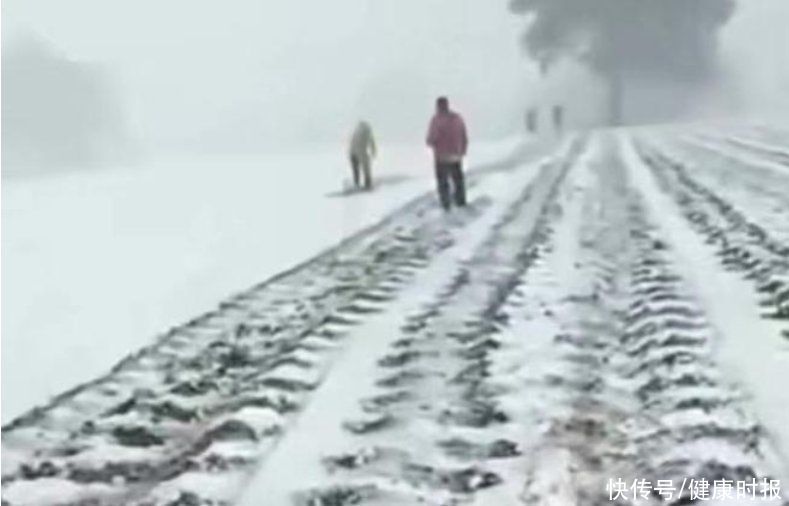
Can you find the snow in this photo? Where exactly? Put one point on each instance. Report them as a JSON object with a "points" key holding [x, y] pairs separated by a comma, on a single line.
{"points": [[296, 462], [749, 346], [574, 366], [51, 491], [97, 263]]}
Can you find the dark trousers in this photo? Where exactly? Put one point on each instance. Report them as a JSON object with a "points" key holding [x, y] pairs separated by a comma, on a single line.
{"points": [[361, 168], [446, 172]]}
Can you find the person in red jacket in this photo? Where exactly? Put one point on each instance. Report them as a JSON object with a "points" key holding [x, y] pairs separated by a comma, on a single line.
{"points": [[449, 141]]}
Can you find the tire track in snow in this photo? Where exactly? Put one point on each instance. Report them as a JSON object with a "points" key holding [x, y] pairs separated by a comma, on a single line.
{"points": [[210, 397], [742, 242], [593, 361], [430, 377], [609, 365], [548, 344], [717, 426], [720, 165], [778, 155]]}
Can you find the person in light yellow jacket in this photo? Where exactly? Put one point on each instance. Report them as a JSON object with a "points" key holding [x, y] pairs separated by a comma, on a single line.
{"points": [[361, 152]]}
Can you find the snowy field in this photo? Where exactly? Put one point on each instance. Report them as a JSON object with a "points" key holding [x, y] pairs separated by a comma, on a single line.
{"points": [[614, 306], [98, 263]]}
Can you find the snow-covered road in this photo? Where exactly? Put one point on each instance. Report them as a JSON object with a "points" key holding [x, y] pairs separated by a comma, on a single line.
{"points": [[616, 307], [97, 263]]}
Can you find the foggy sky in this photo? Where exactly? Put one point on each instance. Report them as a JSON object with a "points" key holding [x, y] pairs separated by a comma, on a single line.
{"points": [[245, 72], [755, 59], [243, 75]]}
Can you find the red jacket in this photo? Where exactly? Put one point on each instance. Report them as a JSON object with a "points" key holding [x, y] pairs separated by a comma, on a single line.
{"points": [[447, 136]]}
